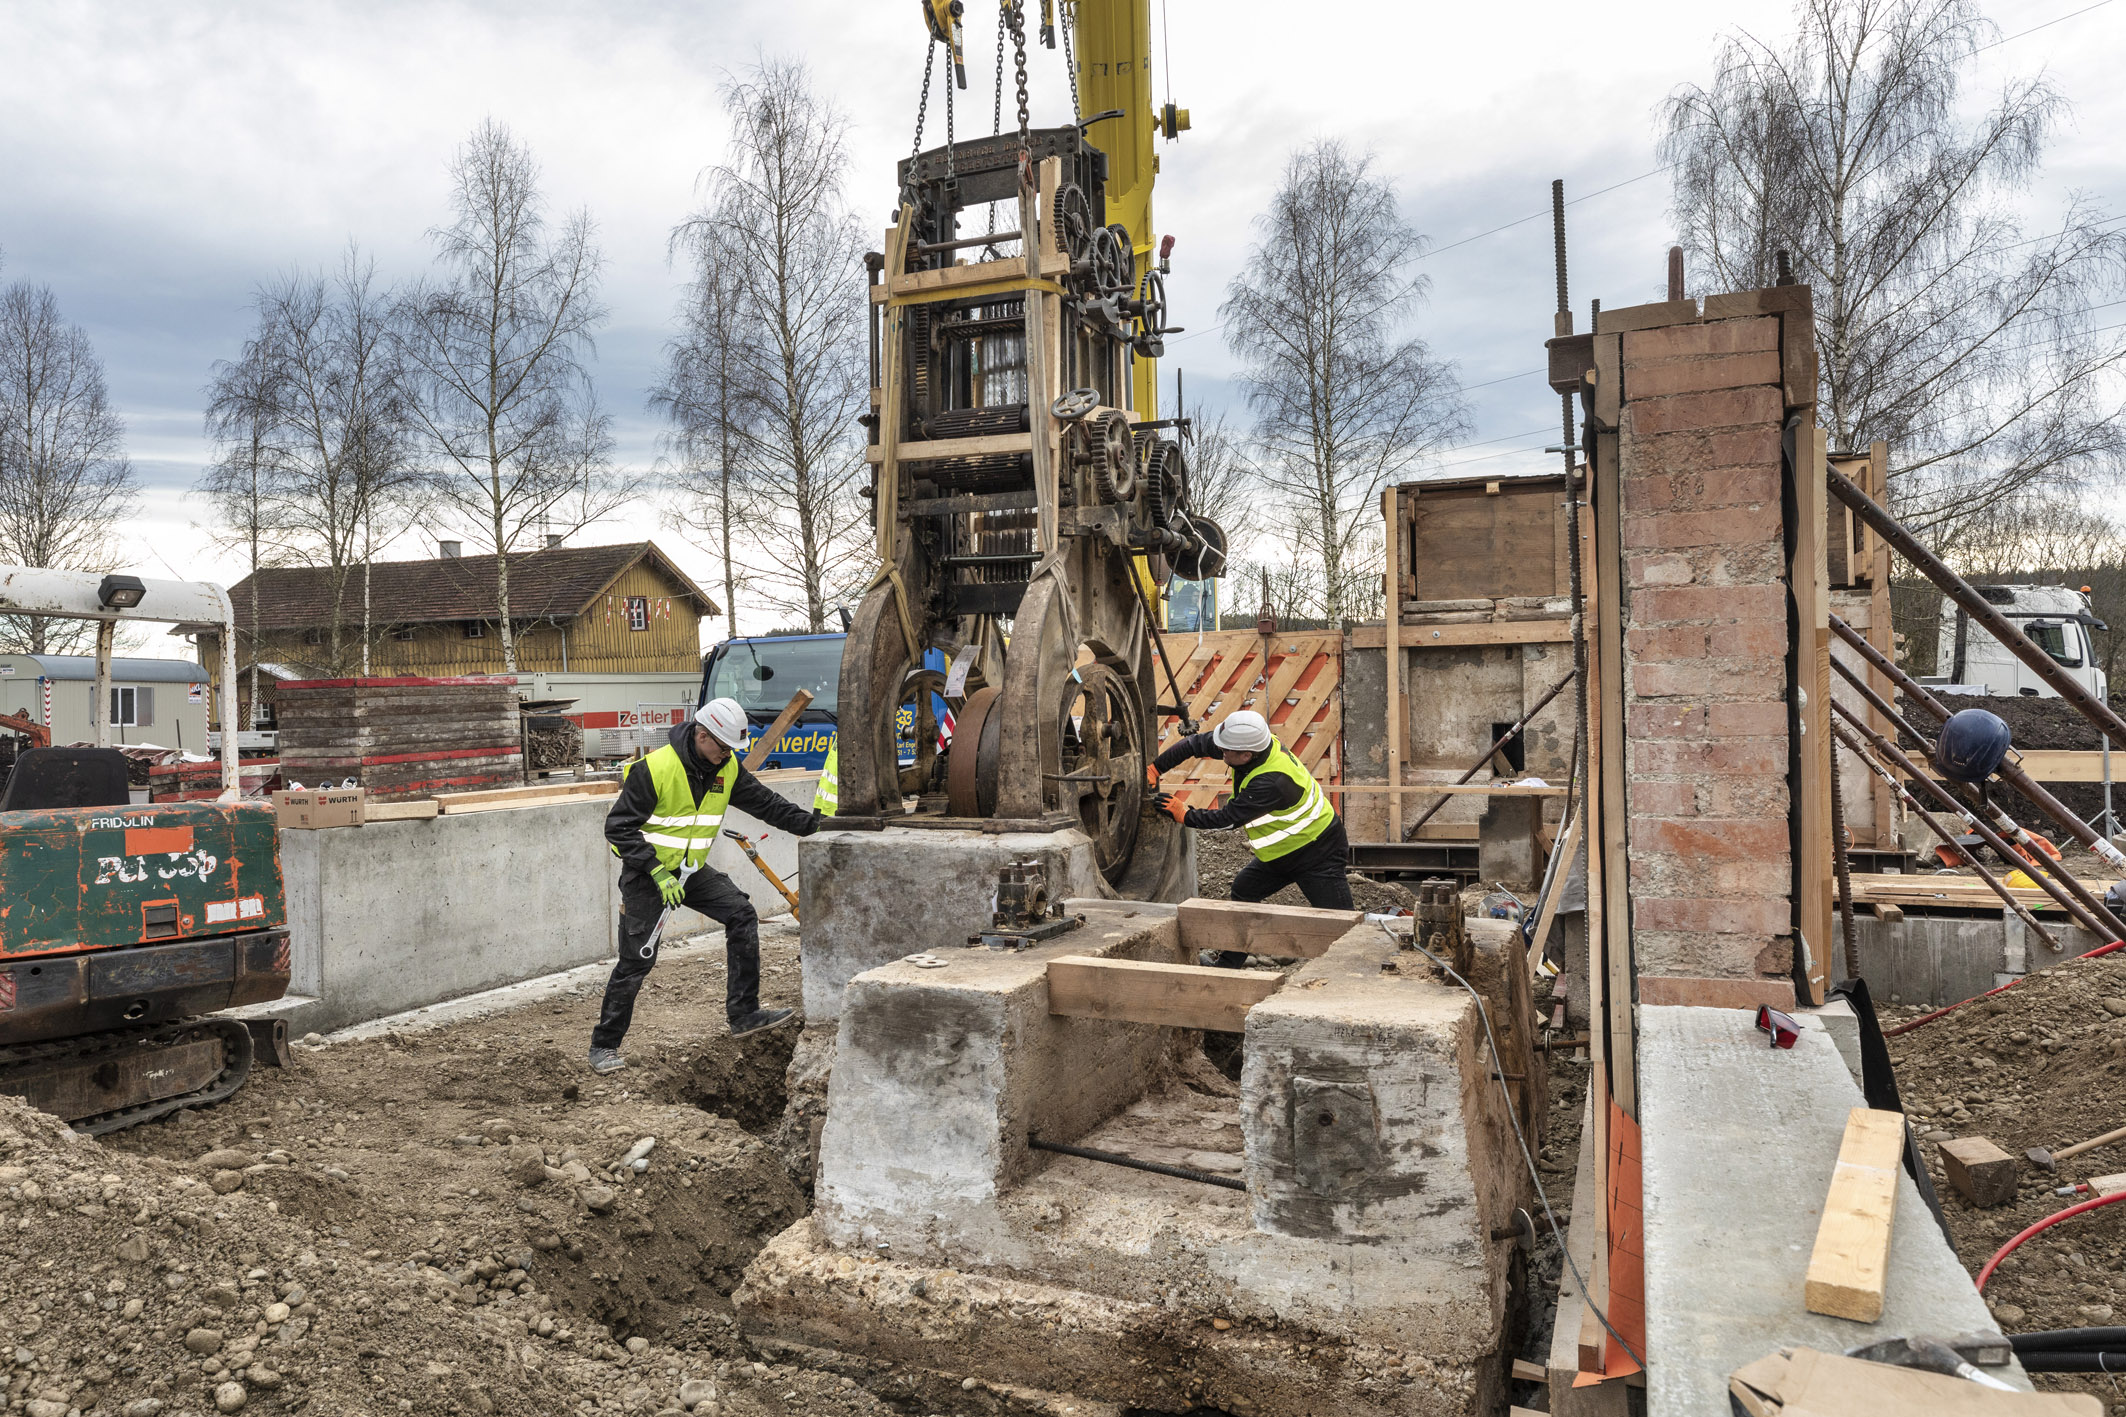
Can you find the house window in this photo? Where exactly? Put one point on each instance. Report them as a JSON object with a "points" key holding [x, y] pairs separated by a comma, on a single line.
{"points": [[404, 632], [638, 612], [131, 707], [313, 637], [475, 630]]}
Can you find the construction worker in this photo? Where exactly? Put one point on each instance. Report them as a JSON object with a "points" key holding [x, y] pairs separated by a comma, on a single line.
{"points": [[671, 805], [829, 795], [1295, 835]]}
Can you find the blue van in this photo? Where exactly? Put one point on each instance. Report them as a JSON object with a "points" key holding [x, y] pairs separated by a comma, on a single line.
{"points": [[762, 672]]}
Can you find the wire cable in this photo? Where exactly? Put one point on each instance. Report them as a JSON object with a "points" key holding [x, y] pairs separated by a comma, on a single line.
{"points": [[2043, 1225], [1513, 1116]]}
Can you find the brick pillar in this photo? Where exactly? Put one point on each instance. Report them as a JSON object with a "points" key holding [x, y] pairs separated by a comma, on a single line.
{"points": [[1702, 403]]}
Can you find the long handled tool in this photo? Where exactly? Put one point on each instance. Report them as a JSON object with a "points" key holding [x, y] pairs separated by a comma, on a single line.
{"points": [[2050, 1160], [766, 870]]}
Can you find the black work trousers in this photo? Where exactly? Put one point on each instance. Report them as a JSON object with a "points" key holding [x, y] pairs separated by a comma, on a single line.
{"points": [[1318, 868], [708, 891]]}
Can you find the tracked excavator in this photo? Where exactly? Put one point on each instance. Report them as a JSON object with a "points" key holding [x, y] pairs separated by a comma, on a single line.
{"points": [[1029, 503], [125, 927]]}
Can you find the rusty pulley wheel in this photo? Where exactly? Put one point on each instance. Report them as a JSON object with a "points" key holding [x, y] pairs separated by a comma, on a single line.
{"points": [[971, 766]]}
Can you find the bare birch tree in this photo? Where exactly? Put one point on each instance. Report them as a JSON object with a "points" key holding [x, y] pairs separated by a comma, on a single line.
{"points": [[778, 221], [1343, 400], [1943, 326], [702, 395], [65, 482], [244, 415], [339, 460], [497, 351]]}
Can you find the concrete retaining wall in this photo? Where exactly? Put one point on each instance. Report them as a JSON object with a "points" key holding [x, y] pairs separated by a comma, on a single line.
{"points": [[1939, 960], [399, 915]]}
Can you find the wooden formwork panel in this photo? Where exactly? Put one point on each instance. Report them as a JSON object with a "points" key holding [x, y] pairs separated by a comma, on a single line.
{"points": [[1293, 680]]}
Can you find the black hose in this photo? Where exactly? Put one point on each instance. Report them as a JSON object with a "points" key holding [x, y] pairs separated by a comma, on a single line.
{"points": [[2073, 1360], [2084, 1338], [1157, 1168]]}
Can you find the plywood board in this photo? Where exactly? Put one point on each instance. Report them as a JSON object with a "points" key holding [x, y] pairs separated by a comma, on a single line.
{"points": [[1851, 1261], [1475, 542], [1165, 995]]}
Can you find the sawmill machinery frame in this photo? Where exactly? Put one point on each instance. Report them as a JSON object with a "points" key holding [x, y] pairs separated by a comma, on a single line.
{"points": [[1020, 504]]}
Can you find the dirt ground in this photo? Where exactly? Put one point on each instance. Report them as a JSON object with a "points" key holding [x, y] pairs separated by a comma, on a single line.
{"points": [[2042, 1064], [431, 1222], [1219, 855]]}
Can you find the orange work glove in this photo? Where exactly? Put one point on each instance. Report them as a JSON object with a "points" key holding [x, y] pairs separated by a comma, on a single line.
{"points": [[1151, 777], [1171, 805]]}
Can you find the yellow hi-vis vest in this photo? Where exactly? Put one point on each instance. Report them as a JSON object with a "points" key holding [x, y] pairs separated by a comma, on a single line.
{"points": [[1276, 834], [829, 795], [681, 829]]}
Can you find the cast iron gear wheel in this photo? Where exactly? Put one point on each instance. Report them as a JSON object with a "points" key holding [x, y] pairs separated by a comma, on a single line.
{"points": [[1110, 262], [1114, 455], [1165, 481], [1074, 222]]}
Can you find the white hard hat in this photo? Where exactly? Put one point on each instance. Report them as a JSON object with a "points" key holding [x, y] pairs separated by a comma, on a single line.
{"points": [[725, 720], [1244, 732]]}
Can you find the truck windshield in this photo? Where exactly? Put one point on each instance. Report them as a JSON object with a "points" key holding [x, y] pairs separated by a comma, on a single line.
{"points": [[762, 675]]}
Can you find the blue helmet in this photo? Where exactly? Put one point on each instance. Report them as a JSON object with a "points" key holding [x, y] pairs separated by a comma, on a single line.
{"points": [[1973, 743]]}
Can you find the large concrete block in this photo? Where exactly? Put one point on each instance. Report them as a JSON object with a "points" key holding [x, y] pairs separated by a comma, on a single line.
{"points": [[872, 897], [399, 915]]}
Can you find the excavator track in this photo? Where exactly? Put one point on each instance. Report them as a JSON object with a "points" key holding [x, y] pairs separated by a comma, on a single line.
{"points": [[104, 1082]]}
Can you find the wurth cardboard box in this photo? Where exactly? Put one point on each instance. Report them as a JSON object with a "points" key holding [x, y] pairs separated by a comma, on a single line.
{"points": [[313, 808]]}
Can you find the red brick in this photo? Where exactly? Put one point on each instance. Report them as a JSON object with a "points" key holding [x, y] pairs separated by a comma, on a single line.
{"points": [[1751, 916], [1662, 799], [1747, 639], [1737, 487], [1769, 875], [1712, 840], [1690, 376], [1724, 604], [1747, 720], [1668, 758], [1682, 341], [1642, 570], [1669, 681], [1664, 721], [1718, 528], [1722, 408], [1748, 756], [1662, 644], [1762, 795], [1692, 451]]}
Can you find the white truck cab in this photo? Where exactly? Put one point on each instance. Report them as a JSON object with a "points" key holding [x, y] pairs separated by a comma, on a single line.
{"points": [[1968, 660]]}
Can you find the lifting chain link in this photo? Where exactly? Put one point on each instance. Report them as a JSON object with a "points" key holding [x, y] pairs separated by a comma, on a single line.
{"points": [[996, 111], [922, 111], [1017, 11], [951, 174], [1070, 56]]}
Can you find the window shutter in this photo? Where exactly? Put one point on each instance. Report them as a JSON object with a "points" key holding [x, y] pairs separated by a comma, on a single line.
{"points": [[144, 708]]}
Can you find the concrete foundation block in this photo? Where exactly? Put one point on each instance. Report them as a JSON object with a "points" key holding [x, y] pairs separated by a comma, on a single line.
{"points": [[1505, 841]]}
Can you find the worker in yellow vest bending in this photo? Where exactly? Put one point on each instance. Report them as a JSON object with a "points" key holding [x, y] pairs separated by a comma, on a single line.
{"points": [[671, 806], [829, 794], [1296, 836]]}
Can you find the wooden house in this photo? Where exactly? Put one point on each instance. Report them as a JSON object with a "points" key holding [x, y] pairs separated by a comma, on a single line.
{"points": [[605, 609]]}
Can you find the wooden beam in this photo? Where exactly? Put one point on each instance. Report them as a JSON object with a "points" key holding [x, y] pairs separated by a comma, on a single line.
{"points": [[421, 810], [1615, 814], [1492, 632], [1850, 1264], [504, 796], [1392, 661], [1810, 580], [1166, 995], [1549, 910], [932, 449], [1278, 931], [1033, 224], [1451, 789], [536, 799], [765, 744]]}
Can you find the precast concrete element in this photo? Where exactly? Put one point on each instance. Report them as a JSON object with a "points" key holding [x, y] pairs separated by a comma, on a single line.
{"points": [[398, 915], [1940, 959], [1378, 1153], [1738, 1143], [940, 1075], [1356, 1274], [872, 897]]}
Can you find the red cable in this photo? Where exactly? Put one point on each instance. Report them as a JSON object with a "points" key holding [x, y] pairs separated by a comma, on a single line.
{"points": [[2047, 1223], [1929, 1018]]}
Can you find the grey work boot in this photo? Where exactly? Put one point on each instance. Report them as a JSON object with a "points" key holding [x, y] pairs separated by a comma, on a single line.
{"points": [[606, 1060], [760, 1020]]}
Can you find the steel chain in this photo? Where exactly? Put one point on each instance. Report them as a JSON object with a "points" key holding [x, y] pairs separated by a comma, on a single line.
{"points": [[922, 111], [1070, 58], [951, 175], [1018, 50], [996, 111]]}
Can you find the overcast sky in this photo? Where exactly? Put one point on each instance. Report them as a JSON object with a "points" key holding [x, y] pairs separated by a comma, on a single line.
{"points": [[161, 161]]}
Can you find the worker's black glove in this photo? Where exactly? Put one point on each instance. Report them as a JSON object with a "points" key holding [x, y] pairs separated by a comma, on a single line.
{"points": [[1168, 803]]}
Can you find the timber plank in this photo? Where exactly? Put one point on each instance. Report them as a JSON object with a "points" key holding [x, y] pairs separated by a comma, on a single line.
{"points": [[1850, 1264], [543, 799], [1166, 995], [419, 811], [1275, 931], [459, 801], [1556, 630]]}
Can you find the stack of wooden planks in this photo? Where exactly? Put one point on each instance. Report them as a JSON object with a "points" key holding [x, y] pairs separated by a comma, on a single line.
{"points": [[1290, 679], [402, 737], [1949, 893]]}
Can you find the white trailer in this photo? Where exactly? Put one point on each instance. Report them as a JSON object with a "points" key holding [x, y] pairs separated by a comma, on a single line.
{"points": [[1968, 660], [621, 714]]}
